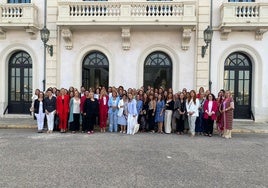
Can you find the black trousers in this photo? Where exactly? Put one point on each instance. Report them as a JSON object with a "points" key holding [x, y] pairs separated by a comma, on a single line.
{"points": [[91, 121], [151, 121], [180, 124], [75, 125], [209, 125], [84, 123]]}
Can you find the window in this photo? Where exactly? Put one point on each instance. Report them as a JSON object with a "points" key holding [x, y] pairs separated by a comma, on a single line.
{"points": [[19, 1], [158, 70], [95, 71]]}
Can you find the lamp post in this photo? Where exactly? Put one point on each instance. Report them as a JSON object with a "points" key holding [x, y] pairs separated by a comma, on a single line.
{"points": [[208, 33], [45, 37]]}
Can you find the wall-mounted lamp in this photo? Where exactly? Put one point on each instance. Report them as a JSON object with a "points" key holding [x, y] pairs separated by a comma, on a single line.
{"points": [[208, 33], [45, 37]]}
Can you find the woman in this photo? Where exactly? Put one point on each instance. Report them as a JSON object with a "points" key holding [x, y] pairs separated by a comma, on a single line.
{"points": [[227, 114], [144, 113], [63, 101], [210, 110], [151, 113], [50, 110], [159, 115], [192, 105], [97, 93], [168, 113], [200, 91], [113, 111], [180, 113], [103, 109], [74, 116], [219, 120], [91, 110], [39, 111], [132, 114], [199, 123], [122, 113]]}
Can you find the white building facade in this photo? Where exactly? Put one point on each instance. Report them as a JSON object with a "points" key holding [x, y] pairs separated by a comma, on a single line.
{"points": [[134, 44]]}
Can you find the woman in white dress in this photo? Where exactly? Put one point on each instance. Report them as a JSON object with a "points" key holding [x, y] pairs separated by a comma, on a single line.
{"points": [[132, 114], [192, 105]]}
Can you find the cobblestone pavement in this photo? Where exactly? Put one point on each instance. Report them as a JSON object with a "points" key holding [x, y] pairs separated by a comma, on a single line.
{"points": [[146, 160]]}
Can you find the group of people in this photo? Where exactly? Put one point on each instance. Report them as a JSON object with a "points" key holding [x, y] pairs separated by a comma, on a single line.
{"points": [[152, 109]]}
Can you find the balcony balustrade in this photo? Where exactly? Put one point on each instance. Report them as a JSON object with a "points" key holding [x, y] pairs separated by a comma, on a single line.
{"points": [[244, 17], [17, 16], [127, 13]]}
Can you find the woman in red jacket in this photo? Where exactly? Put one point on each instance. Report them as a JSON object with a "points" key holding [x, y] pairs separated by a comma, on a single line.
{"points": [[103, 109], [62, 107], [210, 109]]}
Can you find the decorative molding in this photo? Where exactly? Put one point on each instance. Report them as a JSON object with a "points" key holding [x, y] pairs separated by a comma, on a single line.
{"points": [[67, 36], [2, 33], [259, 33], [225, 33], [32, 32], [186, 38], [125, 38]]}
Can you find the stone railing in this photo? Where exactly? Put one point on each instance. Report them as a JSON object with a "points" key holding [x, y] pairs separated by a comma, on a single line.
{"points": [[244, 17], [126, 12], [18, 15], [244, 13]]}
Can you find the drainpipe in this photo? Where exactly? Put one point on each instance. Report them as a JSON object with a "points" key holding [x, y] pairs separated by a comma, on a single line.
{"points": [[210, 24]]}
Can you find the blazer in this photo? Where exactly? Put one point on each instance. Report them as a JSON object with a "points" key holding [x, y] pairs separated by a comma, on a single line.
{"points": [[178, 105], [214, 109], [36, 106]]}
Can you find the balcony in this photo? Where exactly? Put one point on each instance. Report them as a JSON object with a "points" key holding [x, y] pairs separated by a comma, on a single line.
{"points": [[244, 17], [18, 16], [127, 13]]}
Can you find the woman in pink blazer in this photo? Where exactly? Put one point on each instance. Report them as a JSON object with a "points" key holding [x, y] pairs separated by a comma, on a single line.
{"points": [[210, 110]]}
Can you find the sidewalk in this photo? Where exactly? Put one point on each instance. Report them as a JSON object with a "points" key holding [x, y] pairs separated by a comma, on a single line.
{"points": [[27, 122]]}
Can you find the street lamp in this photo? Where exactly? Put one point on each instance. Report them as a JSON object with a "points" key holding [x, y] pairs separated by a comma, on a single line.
{"points": [[45, 37], [208, 33]]}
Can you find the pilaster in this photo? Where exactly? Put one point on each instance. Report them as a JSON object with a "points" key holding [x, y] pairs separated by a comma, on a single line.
{"points": [[202, 64], [52, 75]]}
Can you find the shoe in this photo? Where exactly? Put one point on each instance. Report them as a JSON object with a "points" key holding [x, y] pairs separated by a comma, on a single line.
{"points": [[92, 132], [39, 131], [124, 132], [73, 132], [88, 132], [210, 135], [121, 132]]}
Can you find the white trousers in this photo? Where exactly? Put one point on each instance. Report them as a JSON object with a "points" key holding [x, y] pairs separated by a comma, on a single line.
{"points": [[191, 121], [168, 119], [50, 120], [40, 121], [131, 122]]}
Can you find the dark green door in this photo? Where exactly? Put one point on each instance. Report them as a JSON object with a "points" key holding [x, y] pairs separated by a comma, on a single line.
{"points": [[238, 79], [20, 83]]}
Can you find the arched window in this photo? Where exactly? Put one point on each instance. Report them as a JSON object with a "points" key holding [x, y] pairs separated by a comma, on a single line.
{"points": [[20, 82], [95, 70], [158, 70], [237, 79]]}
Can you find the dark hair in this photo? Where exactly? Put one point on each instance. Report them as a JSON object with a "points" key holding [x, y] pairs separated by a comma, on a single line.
{"points": [[49, 89], [213, 96]]}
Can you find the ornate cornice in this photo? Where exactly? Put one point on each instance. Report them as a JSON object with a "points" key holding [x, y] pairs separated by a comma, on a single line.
{"points": [[125, 38], [259, 33], [225, 33], [2, 33], [186, 38], [67, 37]]}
